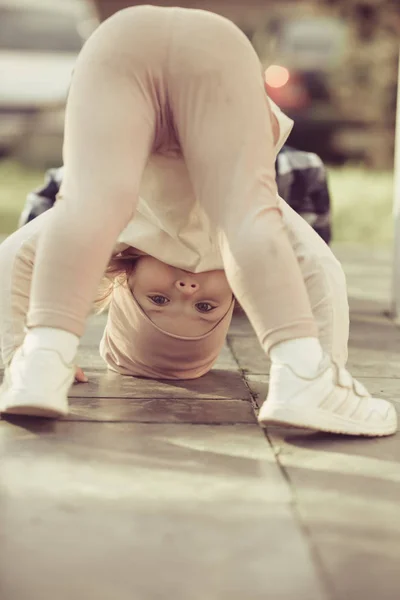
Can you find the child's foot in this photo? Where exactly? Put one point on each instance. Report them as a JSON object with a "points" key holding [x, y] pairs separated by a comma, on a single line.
{"points": [[36, 384], [333, 402]]}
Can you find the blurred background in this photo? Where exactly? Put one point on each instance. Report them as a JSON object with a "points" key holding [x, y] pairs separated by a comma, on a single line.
{"points": [[331, 65]]}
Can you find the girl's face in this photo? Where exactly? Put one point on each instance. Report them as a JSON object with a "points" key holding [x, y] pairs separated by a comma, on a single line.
{"points": [[177, 301]]}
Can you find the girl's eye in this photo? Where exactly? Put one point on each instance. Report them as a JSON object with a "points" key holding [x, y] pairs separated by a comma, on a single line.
{"points": [[204, 307], [160, 300]]}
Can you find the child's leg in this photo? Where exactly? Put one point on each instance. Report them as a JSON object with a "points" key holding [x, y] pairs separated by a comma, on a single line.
{"points": [[109, 132], [224, 125], [17, 255], [325, 282]]}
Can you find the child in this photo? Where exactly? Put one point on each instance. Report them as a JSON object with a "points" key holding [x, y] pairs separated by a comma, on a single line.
{"points": [[155, 107], [177, 331]]}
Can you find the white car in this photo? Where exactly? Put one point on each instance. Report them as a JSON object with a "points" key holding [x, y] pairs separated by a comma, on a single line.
{"points": [[39, 44]]}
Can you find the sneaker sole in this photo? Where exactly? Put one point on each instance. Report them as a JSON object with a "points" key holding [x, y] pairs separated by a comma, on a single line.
{"points": [[32, 407], [318, 421]]}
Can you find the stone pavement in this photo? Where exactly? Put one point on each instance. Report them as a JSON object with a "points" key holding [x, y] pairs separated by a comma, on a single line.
{"points": [[160, 490]]}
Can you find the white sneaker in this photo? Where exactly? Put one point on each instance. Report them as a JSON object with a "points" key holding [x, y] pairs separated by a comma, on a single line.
{"points": [[36, 384], [333, 402]]}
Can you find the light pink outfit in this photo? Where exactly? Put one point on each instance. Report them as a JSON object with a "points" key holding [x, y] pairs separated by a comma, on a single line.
{"points": [[151, 80], [216, 208], [127, 331], [133, 345]]}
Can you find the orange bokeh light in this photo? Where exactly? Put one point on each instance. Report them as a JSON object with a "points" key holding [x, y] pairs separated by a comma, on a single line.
{"points": [[276, 76]]}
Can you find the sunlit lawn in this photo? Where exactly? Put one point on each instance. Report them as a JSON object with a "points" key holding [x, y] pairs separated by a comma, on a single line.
{"points": [[361, 201], [15, 182]]}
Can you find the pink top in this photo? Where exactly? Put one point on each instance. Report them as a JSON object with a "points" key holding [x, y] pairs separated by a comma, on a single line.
{"points": [[133, 345]]}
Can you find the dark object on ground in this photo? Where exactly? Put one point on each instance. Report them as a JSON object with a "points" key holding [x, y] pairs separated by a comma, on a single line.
{"points": [[302, 183]]}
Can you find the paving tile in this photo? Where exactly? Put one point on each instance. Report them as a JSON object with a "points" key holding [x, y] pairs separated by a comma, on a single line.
{"points": [[347, 495], [161, 410], [220, 397], [241, 326], [128, 511], [258, 385], [248, 354], [216, 385]]}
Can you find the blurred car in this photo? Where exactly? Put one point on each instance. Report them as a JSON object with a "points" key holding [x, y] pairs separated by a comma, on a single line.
{"points": [[39, 43], [308, 51]]}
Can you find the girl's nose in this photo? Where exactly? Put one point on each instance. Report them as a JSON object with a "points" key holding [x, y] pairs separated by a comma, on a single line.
{"points": [[187, 286]]}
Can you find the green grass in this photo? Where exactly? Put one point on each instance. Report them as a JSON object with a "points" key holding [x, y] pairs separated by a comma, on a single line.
{"points": [[15, 182], [361, 201]]}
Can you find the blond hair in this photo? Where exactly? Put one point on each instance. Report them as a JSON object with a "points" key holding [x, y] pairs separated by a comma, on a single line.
{"points": [[118, 272]]}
